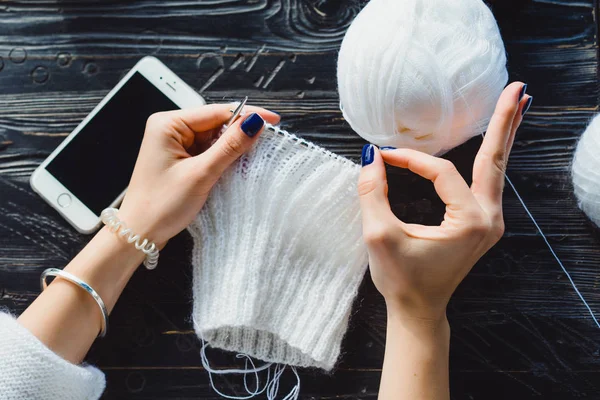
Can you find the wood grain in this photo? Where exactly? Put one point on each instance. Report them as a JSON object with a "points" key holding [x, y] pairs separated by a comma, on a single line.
{"points": [[518, 329]]}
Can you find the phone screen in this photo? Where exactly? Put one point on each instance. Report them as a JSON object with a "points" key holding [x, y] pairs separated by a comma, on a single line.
{"points": [[97, 164]]}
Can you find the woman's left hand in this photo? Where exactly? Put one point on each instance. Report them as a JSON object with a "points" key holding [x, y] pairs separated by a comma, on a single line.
{"points": [[177, 166], [417, 268]]}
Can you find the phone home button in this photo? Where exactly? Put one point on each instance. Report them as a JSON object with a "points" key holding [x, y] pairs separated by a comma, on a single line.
{"points": [[64, 200]]}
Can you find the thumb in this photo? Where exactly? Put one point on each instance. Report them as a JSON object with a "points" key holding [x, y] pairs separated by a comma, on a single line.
{"points": [[235, 141], [372, 191]]}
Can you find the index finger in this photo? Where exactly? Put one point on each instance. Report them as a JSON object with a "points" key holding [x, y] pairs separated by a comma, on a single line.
{"points": [[448, 183], [206, 118], [490, 163]]}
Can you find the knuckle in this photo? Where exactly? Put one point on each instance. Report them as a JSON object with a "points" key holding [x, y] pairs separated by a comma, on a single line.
{"points": [[378, 235], [447, 166], [158, 118], [233, 147], [483, 226], [156, 123], [497, 159], [479, 226], [497, 227], [479, 230], [366, 186]]}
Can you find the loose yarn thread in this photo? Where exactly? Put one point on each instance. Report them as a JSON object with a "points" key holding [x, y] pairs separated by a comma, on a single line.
{"points": [[271, 386], [545, 238], [537, 226]]}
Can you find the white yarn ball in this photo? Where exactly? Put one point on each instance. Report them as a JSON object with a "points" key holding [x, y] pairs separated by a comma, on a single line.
{"points": [[586, 171], [422, 74]]}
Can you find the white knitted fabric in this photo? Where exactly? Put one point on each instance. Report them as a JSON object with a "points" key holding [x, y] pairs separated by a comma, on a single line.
{"points": [[278, 254], [31, 371]]}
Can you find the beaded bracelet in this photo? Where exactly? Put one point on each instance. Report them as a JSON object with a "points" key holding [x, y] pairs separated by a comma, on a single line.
{"points": [[110, 218], [75, 280]]}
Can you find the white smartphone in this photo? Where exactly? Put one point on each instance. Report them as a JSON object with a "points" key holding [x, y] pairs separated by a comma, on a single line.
{"points": [[91, 168]]}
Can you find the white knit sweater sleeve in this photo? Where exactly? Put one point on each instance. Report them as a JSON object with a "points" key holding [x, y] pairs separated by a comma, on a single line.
{"points": [[29, 370]]}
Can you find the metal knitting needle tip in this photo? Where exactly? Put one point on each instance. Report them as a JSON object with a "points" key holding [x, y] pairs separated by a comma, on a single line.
{"points": [[237, 111]]}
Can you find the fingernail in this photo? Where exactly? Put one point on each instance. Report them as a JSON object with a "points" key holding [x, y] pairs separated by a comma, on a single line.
{"points": [[252, 125], [526, 108], [523, 91], [368, 155], [384, 148]]}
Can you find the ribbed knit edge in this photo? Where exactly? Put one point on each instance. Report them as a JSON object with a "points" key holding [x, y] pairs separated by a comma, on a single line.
{"points": [[279, 337], [30, 370]]}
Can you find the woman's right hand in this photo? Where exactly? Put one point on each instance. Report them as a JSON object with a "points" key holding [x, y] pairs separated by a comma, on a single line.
{"points": [[415, 267]]}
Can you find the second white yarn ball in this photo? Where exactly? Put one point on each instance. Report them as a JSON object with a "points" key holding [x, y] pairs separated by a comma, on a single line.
{"points": [[586, 171], [422, 74]]}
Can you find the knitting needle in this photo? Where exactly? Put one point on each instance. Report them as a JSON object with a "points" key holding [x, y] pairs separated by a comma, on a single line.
{"points": [[235, 115]]}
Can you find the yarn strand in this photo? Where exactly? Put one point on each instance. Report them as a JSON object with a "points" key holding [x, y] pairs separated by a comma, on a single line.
{"points": [[552, 250], [255, 371], [271, 386]]}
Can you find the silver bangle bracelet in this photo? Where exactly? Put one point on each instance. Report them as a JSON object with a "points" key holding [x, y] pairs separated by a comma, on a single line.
{"points": [[73, 279]]}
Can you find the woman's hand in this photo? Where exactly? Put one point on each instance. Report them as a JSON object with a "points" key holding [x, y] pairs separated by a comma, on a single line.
{"points": [[177, 165], [415, 267], [176, 168]]}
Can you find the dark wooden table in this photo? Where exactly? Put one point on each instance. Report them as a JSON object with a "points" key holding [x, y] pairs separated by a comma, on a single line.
{"points": [[518, 329]]}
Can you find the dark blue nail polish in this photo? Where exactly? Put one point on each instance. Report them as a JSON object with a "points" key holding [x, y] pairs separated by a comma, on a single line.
{"points": [[526, 108], [252, 125], [384, 148], [523, 91], [368, 155]]}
